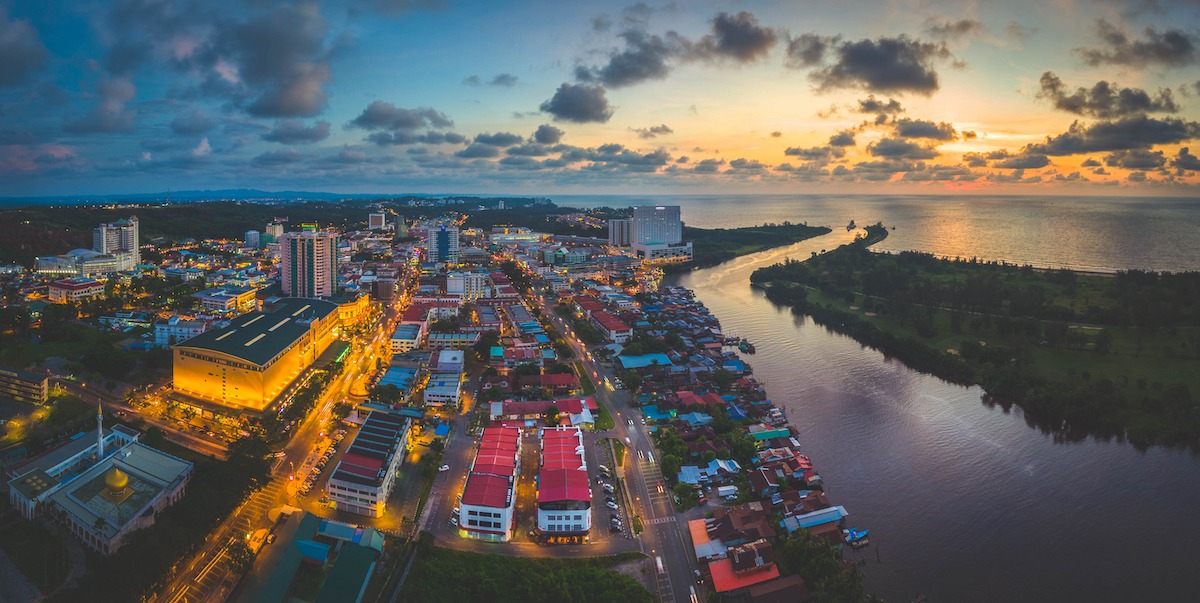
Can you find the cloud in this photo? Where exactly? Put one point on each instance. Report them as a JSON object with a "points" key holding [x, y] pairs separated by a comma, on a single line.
{"points": [[1136, 177], [1104, 100], [1186, 161], [919, 128], [381, 115], [738, 37], [478, 150], [1125, 133], [808, 50], [405, 137], [472, 80], [747, 165], [503, 80], [873, 105], [1169, 48], [1019, 33], [293, 131], [776, 134], [193, 122], [109, 114], [282, 54], [708, 166], [653, 131], [601, 23], [901, 149], [815, 153], [202, 148], [529, 150], [278, 157], [22, 53], [1135, 159], [890, 65], [845, 138], [645, 57], [548, 134], [1023, 162], [952, 30], [499, 139], [579, 103]]}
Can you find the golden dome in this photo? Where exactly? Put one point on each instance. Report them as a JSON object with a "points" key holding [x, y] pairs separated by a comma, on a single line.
{"points": [[116, 480]]}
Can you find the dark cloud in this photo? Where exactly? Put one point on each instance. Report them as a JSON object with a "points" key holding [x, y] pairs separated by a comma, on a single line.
{"points": [[472, 80], [882, 169], [747, 165], [952, 30], [901, 149], [653, 131], [919, 128], [815, 153], [637, 14], [941, 173], [807, 50], [282, 53], [1125, 133], [845, 138], [1104, 100], [601, 23], [1135, 159], [891, 65], [405, 137], [1136, 177], [193, 122], [1186, 161], [708, 166], [503, 80], [738, 37], [645, 57], [381, 115], [776, 134], [478, 150], [293, 131], [397, 7], [969, 134], [1023, 162], [499, 139], [548, 134], [1089, 162], [529, 150], [579, 103], [878, 107], [109, 114], [279, 157], [1169, 48], [22, 53]]}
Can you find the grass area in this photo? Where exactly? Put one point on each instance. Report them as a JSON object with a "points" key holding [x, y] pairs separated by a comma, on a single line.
{"points": [[638, 528], [585, 380], [19, 352], [604, 420], [619, 448], [40, 555], [446, 575]]}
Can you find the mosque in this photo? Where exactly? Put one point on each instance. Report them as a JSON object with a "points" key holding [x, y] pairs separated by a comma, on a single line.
{"points": [[100, 490]]}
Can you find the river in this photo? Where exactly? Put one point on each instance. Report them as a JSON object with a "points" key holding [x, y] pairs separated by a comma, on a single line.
{"points": [[965, 502]]}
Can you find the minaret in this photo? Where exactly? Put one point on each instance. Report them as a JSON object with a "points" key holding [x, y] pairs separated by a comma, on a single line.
{"points": [[99, 431]]}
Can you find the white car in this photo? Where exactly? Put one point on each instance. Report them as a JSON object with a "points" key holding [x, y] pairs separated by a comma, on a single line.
{"points": [[611, 505], [444, 468]]}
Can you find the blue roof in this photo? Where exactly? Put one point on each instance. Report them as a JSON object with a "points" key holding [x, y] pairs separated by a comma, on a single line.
{"points": [[689, 474], [650, 411], [696, 419], [399, 376], [313, 550], [442, 430], [735, 412], [635, 362], [816, 518], [729, 465]]}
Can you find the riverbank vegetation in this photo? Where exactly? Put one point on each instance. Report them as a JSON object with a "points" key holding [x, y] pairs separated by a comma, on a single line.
{"points": [[440, 574], [711, 246], [1111, 356]]}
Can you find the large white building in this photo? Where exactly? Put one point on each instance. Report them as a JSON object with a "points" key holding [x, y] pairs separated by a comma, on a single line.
{"points": [[118, 237], [489, 497], [657, 234], [377, 221], [469, 286], [366, 474], [564, 494], [620, 232], [443, 389], [309, 265], [442, 243]]}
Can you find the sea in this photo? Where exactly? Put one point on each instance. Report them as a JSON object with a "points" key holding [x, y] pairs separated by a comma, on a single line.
{"points": [[966, 502]]}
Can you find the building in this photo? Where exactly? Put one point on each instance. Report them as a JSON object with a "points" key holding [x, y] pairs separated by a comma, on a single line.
{"points": [[253, 239], [451, 341], [118, 237], [227, 299], [274, 233], [657, 234], [71, 290], [24, 386], [441, 244], [407, 337], [309, 262], [443, 388], [377, 222], [489, 496], [175, 330], [447, 361], [620, 232], [363, 480], [564, 494], [84, 262], [470, 286], [256, 360], [100, 488], [311, 547]]}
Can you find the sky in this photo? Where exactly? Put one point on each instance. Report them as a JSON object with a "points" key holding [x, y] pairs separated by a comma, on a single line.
{"points": [[424, 96]]}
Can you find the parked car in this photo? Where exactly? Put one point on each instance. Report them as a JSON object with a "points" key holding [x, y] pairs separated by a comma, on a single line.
{"points": [[611, 505], [610, 498], [609, 489], [454, 521], [444, 468], [699, 576], [614, 528], [270, 537]]}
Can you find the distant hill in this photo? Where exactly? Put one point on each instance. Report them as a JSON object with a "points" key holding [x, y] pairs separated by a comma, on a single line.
{"points": [[230, 194]]}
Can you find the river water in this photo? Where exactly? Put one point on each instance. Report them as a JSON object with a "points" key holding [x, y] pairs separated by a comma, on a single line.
{"points": [[965, 502]]}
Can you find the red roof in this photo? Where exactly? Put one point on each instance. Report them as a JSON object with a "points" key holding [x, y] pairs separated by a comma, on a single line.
{"points": [[484, 490], [724, 580], [609, 322], [563, 484]]}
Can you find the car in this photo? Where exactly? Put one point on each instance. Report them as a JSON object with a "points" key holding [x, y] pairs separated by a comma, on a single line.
{"points": [[609, 489], [610, 499], [602, 468], [605, 476], [614, 529], [611, 505], [270, 537], [616, 520], [444, 468], [454, 521], [456, 511], [699, 576], [614, 514], [643, 420]]}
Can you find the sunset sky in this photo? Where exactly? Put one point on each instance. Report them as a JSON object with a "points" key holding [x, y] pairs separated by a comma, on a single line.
{"points": [[396, 96]]}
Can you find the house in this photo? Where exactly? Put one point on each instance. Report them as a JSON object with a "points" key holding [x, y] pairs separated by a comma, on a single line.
{"points": [[763, 482], [745, 566], [554, 383], [741, 524]]}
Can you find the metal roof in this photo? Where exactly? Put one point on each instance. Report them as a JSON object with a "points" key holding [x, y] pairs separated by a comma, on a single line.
{"points": [[257, 337]]}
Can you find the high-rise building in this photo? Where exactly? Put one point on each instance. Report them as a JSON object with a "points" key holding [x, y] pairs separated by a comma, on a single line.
{"points": [[253, 239], [442, 243], [274, 232], [620, 232], [309, 264], [377, 222], [118, 237], [657, 234]]}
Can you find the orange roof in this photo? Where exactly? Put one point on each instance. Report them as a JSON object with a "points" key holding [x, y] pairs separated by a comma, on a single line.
{"points": [[699, 531], [724, 580]]}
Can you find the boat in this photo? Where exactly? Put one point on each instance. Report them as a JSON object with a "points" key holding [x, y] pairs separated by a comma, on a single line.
{"points": [[746, 347], [851, 225], [857, 538]]}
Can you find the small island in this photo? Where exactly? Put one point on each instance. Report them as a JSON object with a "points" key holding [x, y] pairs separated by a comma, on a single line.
{"points": [[1109, 356]]}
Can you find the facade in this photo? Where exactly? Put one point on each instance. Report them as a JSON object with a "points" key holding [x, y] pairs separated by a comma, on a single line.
{"points": [[253, 239], [564, 494], [273, 233], [470, 286], [309, 266], [71, 290], [256, 360], [23, 386], [118, 237], [451, 341], [175, 330], [84, 262], [377, 222], [489, 496], [407, 337], [364, 477], [657, 234], [620, 232], [442, 244], [443, 389], [227, 299]]}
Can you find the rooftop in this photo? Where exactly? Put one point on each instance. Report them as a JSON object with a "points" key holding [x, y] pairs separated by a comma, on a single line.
{"points": [[257, 337]]}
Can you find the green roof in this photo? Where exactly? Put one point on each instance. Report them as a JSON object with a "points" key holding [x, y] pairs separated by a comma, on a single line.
{"points": [[257, 337], [349, 575]]}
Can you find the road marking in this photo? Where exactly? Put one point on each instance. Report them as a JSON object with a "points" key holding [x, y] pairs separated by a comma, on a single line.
{"points": [[658, 520]]}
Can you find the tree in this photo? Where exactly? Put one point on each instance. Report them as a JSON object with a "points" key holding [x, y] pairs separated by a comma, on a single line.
{"points": [[723, 378], [241, 558], [341, 410], [1104, 341], [551, 415], [483, 346], [387, 394], [527, 369], [670, 466]]}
